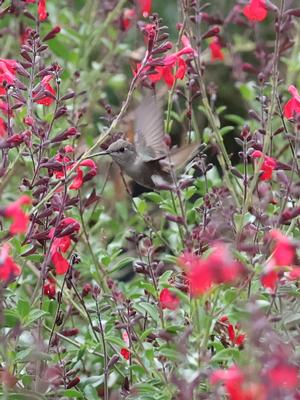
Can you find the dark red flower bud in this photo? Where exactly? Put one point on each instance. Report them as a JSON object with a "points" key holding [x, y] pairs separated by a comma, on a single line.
{"points": [[73, 383], [70, 332], [211, 32], [87, 288], [51, 35]]}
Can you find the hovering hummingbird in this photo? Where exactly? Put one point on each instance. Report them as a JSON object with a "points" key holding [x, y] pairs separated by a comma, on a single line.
{"points": [[149, 161]]}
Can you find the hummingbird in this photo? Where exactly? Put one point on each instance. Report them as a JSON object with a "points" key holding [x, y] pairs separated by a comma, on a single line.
{"points": [[148, 161]]}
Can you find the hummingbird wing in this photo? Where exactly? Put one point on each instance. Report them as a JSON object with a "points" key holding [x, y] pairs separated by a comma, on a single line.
{"points": [[181, 156], [149, 136]]}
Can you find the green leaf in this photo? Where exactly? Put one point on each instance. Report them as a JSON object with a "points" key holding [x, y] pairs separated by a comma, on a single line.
{"points": [[226, 129], [73, 393], [11, 318], [152, 310], [23, 308], [33, 316]]}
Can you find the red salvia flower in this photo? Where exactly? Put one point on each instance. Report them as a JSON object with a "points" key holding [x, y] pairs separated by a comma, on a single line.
{"points": [[8, 268], [268, 166], [3, 127], [168, 299], [19, 217], [145, 7], [292, 107], [256, 10], [215, 47], [218, 267], [80, 178], [42, 12], [62, 243], [236, 338], [41, 96], [8, 71]]}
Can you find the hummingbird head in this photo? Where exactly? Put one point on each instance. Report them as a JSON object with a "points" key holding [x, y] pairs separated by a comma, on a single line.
{"points": [[122, 152]]}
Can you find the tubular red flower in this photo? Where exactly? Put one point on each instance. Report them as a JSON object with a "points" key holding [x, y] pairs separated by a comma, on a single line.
{"points": [[45, 99], [3, 127], [42, 11], [145, 7], [256, 10], [268, 165], [19, 217], [168, 299], [8, 268], [216, 53], [127, 19], [80, 178], [292, 107], [8, 71], [49, 288]]}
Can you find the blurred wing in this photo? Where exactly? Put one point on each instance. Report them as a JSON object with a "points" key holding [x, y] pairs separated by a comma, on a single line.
{"points": [[183, 155], [149, 132]]}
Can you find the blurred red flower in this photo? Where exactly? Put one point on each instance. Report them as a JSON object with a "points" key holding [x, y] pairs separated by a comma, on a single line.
{"points": [[237, 386], [292, 106], [19, 217], [41, 96], [3, 127], [236, 338], [127, 18], [218, 267], [8, 268], [42, 12], [256, 10], [284, 255], [268, 166], [286, 374], [215, 47], [49, 288], [125, 353], [168, 299]]}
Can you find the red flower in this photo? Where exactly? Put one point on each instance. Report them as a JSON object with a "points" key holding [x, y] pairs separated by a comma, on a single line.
{"points": [[237, 386], [80, 178], [145, 7], [286, 374], [218, 267], [268, 165], [127, 19], [62, 243], [42, 95], [283, 255], [42, 12], [168, 299], [236, 338], [8, 268], [125, 353], [3, 127], [292, 107], [49, 288], [284, 251], [216, 50], [8, 70], [19, 217], [256, 10]]}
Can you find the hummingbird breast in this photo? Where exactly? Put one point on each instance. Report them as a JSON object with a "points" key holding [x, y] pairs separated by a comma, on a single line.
{"points": [[147, 173]]}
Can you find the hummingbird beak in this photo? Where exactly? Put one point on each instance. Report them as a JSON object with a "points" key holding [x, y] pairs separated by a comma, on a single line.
{"points": [[102, 153]]}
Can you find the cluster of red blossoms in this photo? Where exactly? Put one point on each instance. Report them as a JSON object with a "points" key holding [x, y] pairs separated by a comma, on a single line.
{"points": [[281, 264], [130, 14], [218, 267], [256, 10], [240, 386]]}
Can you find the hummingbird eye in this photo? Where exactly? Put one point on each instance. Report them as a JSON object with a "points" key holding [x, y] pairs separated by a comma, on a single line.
{"points": [[122, 149]]}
